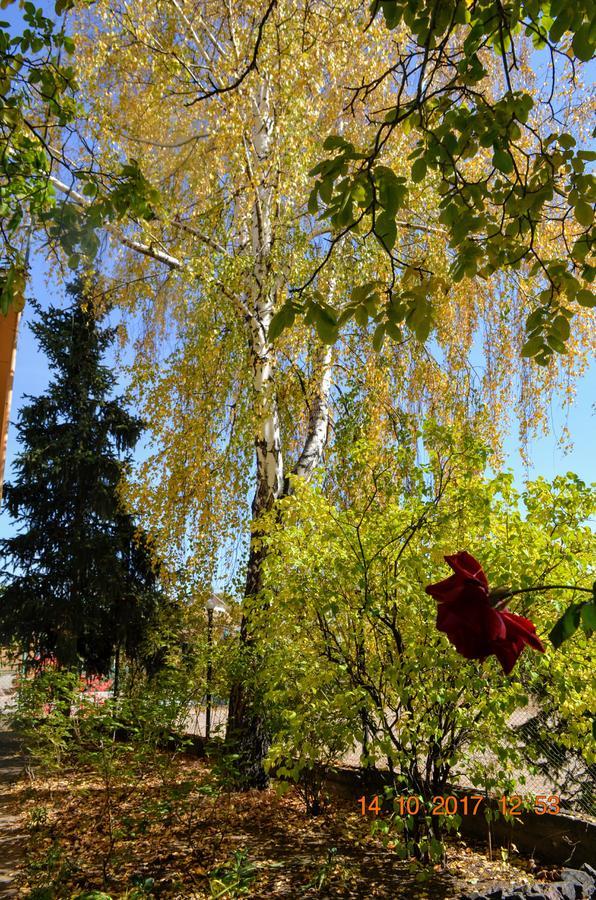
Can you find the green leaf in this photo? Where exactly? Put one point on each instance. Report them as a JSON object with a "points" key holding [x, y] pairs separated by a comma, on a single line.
{"points": [[567, 141], [587, 298], [580, 249], [561, 326], [12, 288], [535, 319], [566, 626], [532, 347], [391, 189], [336, 142], [589, 615], [386, 229], [378, 337], [89, 189], [556, 343], [93, 895], [362, 291], [422, 329], [361, 193], [325, 323], [326, 188], [392, 12], [361, 315], [394, 331], [419, 170], [327, 333], [502, 160], [282, 319], [584, 212], [562, 23], [582, 44]]}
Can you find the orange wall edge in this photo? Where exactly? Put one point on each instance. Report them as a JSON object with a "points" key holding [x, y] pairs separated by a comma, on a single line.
{"points": [[9, 327]]}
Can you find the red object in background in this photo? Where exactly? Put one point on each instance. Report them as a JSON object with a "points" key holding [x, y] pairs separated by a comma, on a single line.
{"points": [[473, 625], [95, 683], [45, 661]]}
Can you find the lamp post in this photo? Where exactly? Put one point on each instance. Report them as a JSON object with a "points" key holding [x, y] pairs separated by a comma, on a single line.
{"points": [[213, 604]]}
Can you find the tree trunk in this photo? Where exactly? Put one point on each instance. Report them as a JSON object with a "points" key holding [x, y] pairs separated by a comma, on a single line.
{"points": [[247, 731]]}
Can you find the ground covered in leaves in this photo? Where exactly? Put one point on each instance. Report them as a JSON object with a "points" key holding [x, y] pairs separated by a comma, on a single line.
{"points": [[172, 829]]}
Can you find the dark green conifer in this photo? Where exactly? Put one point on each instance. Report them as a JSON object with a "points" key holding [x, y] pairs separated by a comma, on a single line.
{"points": [[79, 581]]}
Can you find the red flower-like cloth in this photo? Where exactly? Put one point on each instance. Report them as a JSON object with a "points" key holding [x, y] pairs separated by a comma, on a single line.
{"points": [[472, 624]]}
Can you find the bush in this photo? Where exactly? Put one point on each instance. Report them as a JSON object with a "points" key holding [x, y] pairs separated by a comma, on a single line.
{"points": [[353, 656]]}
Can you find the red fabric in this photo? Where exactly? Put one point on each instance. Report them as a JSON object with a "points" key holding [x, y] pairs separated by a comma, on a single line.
{"points": [[473, 626]]}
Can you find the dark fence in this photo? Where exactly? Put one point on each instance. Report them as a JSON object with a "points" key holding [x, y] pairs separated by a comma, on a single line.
{"points": [[558, 769]]}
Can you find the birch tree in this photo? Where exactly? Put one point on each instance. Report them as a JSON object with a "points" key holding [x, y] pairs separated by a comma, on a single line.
{"points": [[213, 142], [248, 177]]}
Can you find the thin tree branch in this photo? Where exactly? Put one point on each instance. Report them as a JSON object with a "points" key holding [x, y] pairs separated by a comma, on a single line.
{"points": [[145, 249], [218, 89]]}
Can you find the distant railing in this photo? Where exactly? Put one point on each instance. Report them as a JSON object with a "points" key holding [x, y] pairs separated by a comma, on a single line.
{"points": [[572, 777]]}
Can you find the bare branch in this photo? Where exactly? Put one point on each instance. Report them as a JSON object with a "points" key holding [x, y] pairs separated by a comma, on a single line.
{"points": [[145, 249], [218, 89], [204, 238]]}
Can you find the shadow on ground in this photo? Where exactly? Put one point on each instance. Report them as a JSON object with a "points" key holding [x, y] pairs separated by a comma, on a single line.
{"points": [[11, 837]]}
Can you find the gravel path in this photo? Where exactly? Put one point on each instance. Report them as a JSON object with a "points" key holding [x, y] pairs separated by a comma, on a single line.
{"points": [[11, 838]]}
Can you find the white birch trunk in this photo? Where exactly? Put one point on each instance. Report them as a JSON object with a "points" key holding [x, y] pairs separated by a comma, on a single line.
{"points": [[318, 422], [247, 731], [269, 460]]}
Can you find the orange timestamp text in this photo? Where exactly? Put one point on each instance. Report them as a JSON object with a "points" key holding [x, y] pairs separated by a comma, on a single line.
{"points": [[468, 805]]}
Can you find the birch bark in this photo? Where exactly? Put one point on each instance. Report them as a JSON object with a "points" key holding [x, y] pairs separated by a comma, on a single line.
{"points": [[247, 732]]}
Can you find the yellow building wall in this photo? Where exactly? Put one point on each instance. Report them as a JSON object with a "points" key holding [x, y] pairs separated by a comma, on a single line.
{"points": [[9, 325]]}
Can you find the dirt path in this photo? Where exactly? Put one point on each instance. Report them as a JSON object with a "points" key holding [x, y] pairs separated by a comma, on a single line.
{"points": [[11, 838]]}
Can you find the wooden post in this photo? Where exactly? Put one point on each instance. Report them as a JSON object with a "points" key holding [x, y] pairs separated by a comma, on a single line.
{"points": [[9, 327]]}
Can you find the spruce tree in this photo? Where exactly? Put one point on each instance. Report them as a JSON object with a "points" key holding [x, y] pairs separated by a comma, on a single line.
{"points": [[79, 582]]}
